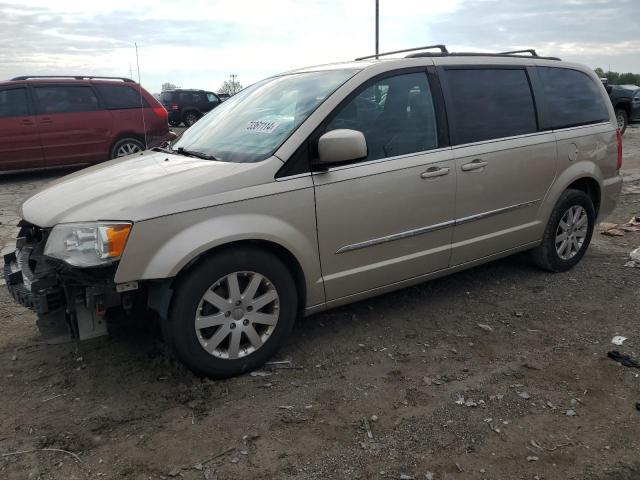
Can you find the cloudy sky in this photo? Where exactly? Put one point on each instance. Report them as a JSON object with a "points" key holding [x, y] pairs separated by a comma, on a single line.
{"points": [[198, 43]]}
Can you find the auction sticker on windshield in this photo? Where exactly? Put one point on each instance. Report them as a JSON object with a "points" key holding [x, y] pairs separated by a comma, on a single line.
{"points": [[259, 126]]}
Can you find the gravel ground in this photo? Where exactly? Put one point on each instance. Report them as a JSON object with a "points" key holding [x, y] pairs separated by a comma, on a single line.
{"points": [[371, 390]]}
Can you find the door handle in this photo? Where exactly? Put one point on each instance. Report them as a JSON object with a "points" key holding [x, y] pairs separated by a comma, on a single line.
{"points": [[46, 121], [433, 172], [26, 122], [477, 164]]}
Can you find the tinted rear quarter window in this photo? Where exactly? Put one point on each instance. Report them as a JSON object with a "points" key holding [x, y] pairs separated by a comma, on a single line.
{"points": [[166, 97], [120, 97], [65, 99], [572, 97], [490, 103], [13, 102]]}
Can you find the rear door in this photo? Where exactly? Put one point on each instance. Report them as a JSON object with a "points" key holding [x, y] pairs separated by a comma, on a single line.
{"points": [[20, 145], [389, 217], [128, 106], [504, 162], [73, 126]]}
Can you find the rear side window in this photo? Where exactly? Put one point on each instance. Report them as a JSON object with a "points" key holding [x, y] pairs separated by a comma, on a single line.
{"points": [[490, 103], [121, 96], [212, 98], [573, 98], [13, 102], [166, 97], [66, 99], [395, 114]]}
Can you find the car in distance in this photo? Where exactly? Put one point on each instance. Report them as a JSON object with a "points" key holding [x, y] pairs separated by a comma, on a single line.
{"points": [[626, 103], [48, 122], [320, 187], [188, 106]]}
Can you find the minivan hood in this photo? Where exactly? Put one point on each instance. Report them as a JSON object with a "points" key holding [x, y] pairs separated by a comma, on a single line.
{"points": [[140, 187]]}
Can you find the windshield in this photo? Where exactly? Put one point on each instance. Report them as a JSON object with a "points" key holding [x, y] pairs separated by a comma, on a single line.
{"points": [[251, 125]]}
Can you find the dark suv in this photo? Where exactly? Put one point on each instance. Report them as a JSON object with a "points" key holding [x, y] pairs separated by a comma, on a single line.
{"points": [[626, 103], [187, 106], [50, 122]]}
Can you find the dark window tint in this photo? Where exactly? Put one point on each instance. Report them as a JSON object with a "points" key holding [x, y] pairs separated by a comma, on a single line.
{"points": [[573, 98], [396, 116], [120, 96], [13, 102], [65, 99], [490, 103], [212, 98], [166, 97]]}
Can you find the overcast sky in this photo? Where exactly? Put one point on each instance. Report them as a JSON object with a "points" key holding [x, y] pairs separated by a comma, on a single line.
{"points": [[198, 43]]}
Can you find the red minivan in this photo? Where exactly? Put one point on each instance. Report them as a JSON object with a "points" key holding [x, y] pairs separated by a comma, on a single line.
{"points": [[48, 122]]}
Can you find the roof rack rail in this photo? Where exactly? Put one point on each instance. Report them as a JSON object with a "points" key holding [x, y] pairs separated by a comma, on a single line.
{"points": [[477, 54], [442, 48], [76, 77], [528, 50]]}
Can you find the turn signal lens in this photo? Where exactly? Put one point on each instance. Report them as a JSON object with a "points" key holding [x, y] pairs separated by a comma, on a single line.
{"points": [[116, 238]]}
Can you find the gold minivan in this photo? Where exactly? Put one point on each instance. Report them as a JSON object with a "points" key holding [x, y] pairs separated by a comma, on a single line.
{"points": [[320, 187]]}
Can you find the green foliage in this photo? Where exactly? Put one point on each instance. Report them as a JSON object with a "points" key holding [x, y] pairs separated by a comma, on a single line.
{"points": [[616, 78]]}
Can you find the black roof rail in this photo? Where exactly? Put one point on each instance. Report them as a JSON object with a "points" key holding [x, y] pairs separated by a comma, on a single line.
{"points": [[528, 50], [476, 54], [442, 48], [75, 77]]}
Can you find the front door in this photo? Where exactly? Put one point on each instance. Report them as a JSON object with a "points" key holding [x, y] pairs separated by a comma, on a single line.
{"points": [[20, 145], [388, 217], [73, 126], [504, 163]]}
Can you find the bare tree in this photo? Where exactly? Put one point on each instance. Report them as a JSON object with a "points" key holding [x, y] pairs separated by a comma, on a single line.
{"points": [[231, 86], [168, 86]]}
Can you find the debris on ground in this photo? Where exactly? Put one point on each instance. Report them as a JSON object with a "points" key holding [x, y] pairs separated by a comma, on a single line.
{"points": [[485, 327], [619, 229], [618, 340], [524, 395], [532, 458], [570, 413], [635, 259], [624, 360]]}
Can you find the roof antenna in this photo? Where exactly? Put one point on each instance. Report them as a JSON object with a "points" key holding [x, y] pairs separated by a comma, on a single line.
{"points": [[144, 123]]}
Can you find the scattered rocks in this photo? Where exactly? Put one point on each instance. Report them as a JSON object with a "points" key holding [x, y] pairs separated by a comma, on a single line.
{"points": [[524, 395], [570, 413], [485, 327], [532, 458], [404, 476]]}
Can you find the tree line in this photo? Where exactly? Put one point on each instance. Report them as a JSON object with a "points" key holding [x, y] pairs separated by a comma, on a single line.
{"points": [[617, 78]]}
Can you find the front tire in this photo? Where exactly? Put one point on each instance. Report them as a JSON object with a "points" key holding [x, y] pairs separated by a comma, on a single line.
{"points": [[231, 312], [622, 117], [568, 232]]}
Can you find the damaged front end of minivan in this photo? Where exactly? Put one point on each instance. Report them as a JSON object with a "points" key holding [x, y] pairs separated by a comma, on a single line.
{"points": [[65, 274]]}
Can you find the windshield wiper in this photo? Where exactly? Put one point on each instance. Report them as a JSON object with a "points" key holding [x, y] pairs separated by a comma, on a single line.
{"points": [[191, 153]]}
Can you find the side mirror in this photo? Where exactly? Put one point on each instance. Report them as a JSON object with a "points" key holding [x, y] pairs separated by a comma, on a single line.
{"points": [[341, 145]]}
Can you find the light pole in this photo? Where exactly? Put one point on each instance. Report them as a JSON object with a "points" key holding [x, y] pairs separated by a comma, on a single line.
{"points": [[233, 83], [377, 25]]}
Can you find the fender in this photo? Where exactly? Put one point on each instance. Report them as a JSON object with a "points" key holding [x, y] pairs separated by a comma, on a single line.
{"points": [[160, 248]]}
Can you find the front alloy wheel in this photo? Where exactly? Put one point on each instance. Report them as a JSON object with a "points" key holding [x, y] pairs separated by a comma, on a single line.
{"points": [[231, 311], [571, 232], [237, 315]]}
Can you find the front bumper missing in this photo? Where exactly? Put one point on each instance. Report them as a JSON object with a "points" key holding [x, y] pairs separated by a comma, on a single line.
{"points": [[61, 296]]}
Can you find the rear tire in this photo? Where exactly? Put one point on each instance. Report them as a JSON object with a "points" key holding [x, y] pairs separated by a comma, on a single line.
{"points": [[190, 118], [126, 146], [568, 232], [622, 117], [174, 123], [219, 324]]}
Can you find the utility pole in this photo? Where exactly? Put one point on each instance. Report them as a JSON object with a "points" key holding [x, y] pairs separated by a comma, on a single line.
{"points": [[233, 83], [377, 25]]}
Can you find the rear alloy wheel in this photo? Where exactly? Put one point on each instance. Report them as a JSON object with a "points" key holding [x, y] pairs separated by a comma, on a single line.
{"points": [[190, 118], [126, 146], [622, 117], [568, 232], [231, 312]]}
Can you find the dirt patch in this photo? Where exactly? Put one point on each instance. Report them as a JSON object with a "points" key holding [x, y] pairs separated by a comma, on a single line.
{"points": [[402, 361]]}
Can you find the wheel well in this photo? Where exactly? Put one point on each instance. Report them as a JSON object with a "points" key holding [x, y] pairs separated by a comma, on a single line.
{"points": [[191, 109], [591, 188], [624, 106], [284, 255]]}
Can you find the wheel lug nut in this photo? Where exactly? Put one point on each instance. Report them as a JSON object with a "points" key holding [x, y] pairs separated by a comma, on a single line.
{"points": [[227, 314], [238, 303], [245, 322], [232, 326], [249, 308]]}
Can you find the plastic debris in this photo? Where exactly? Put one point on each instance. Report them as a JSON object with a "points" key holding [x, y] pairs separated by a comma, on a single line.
{"points": [[624, 360], [618, 340], [635, 259]]}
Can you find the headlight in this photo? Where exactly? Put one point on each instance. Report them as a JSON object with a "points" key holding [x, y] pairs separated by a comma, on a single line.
{"points": [[87, 244]]}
